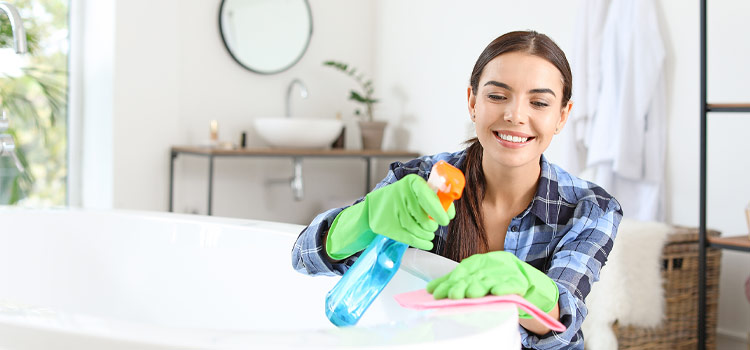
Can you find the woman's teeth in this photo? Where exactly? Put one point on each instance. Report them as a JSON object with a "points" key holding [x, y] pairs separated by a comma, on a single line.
{"points": [[516, 139]]}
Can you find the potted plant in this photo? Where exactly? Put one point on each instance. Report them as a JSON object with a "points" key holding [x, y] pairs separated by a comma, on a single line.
{"points": [[372, 131]]}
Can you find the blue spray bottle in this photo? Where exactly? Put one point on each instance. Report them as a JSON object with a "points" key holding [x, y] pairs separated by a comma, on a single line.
{"points": [[363, 282]]}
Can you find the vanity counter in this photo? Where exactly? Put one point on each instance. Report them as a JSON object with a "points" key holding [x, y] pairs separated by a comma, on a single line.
{"points": [[292, 152], [368, 155]]}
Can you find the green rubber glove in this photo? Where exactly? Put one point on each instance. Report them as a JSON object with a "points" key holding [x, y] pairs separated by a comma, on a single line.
{"points": [[499, 273], [400, 211]]}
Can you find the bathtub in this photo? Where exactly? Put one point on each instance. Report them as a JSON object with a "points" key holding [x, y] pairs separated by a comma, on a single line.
{"points": [[83, 279]]}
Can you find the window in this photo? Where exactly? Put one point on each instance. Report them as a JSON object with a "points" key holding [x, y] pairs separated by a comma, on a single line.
{"points": [[33, 93]]}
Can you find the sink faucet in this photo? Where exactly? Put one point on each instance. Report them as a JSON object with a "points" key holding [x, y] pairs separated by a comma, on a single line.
{"points": [[16, 27], [302, 92]]}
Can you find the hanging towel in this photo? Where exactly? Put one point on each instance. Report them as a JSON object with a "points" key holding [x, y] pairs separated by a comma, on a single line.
{"points": [[586, 67], [619, 114]]}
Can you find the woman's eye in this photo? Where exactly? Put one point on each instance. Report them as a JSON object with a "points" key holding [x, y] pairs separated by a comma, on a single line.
{"points": [[497, 97], [539, 104]]}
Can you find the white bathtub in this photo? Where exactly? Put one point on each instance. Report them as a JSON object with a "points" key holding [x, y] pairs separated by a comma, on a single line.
{"points": [[76, 279]]}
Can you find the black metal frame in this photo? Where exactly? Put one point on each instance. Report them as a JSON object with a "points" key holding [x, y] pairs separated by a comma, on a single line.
{"points": [[702, 241]]}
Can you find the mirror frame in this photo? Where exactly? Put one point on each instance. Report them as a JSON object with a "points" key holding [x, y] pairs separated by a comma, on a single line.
{"points": [[254, 70]]}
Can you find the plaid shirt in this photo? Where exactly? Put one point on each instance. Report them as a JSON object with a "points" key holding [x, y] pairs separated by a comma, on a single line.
{"points": [[567, 231]]}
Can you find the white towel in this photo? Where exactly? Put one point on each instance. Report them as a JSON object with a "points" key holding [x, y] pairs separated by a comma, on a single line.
{"points": [[630, 288], [619, 115]]}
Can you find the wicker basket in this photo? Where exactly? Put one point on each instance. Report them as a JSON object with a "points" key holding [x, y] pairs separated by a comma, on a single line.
{"points": [[680, 273]]}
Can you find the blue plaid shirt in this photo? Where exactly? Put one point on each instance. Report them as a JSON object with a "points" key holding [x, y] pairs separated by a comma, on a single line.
{"points": [[567, 231]]}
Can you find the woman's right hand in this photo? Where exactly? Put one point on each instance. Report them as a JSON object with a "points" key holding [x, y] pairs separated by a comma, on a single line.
{"points": [[401, 211]]}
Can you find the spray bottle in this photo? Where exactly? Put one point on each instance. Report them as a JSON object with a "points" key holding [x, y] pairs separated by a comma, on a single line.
{"points": [[363, 282]]}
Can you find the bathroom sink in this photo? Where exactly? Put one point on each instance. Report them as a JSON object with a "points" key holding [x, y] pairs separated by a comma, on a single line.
{"points": [[298, 132]]}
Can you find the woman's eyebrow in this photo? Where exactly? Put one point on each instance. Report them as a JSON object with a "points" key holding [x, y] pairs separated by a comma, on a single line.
{"points": [[532, 91], [499, 84], [542, 91]]}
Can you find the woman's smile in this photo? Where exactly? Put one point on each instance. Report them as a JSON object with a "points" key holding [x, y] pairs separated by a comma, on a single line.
{"points": [[512, 139]]}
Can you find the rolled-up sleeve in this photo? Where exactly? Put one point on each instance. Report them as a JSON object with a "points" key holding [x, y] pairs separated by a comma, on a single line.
{"points": [[308, 253], [574, 267]]}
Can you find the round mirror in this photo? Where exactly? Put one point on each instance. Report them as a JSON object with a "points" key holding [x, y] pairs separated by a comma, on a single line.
{"points": [[266, 36]]}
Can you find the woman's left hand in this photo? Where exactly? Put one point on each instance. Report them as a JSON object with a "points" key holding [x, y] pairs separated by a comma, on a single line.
{"points": [[498, 273]]}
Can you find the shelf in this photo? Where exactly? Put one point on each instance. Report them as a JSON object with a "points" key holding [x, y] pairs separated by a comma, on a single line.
{"points": [[740, 243], [728, 107], [291, 152]]}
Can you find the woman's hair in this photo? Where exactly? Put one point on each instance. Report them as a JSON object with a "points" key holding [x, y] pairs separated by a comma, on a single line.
{"points": [[466, 233]]}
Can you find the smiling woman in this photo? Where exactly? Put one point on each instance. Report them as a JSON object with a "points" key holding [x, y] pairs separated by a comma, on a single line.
{"points": [[523, 226]]}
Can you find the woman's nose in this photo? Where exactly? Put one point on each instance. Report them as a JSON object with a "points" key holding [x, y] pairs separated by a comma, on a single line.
{"points": [[515, 114]]}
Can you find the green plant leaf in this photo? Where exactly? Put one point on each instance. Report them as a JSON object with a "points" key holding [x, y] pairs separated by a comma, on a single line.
{"points": [[366, 85], [15, 193], [357, 97]]}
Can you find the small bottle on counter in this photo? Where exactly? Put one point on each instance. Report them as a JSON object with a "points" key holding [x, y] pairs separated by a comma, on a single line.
{"points": [[214, 133], [339, 142]]}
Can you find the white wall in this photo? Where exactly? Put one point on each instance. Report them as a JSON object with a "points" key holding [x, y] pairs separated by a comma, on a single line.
{"points": [[146, 99], [170, 75]]}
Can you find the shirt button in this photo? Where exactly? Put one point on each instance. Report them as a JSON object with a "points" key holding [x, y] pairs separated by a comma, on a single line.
{"points": [[514, 229]]}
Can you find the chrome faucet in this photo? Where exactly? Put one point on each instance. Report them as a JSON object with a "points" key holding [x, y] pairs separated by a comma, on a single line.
{"points": [[298, 188], [302, 92], [296, 183], [16, 27], [7, 146]]}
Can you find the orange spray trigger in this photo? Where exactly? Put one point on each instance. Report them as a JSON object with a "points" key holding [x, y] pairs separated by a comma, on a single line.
{"points": [[447, 181]]}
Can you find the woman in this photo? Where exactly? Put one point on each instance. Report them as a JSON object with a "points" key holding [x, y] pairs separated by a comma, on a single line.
{"points": [[523, 226]]}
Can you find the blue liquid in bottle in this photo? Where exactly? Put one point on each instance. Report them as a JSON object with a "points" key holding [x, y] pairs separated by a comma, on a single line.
{"points": [[364, 281]]}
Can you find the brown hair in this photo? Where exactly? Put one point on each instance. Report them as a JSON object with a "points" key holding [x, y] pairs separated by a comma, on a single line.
{"points": [[466, 234]]}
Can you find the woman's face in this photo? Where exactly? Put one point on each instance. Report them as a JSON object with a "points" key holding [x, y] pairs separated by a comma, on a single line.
{"points": [[518, 108]]}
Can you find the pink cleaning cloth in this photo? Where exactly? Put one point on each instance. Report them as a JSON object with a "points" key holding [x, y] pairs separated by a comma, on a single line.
{"points": [[421, 300]]}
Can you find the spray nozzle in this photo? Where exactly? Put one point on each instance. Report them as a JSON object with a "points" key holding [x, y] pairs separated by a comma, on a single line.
{"points": [[447, 181]]}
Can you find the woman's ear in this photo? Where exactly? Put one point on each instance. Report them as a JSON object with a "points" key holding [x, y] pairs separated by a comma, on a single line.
{"points": [[472, 99], [564, 113]]}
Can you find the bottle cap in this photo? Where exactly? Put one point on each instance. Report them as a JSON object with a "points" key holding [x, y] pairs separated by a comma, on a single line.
{"points": [[448, 181]]}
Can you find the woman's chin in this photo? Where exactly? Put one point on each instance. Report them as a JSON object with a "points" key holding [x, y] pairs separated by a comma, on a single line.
{"points": [[514, 159]]}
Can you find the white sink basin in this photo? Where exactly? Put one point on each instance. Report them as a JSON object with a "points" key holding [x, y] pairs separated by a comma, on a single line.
{"points": [[298, 132]]}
